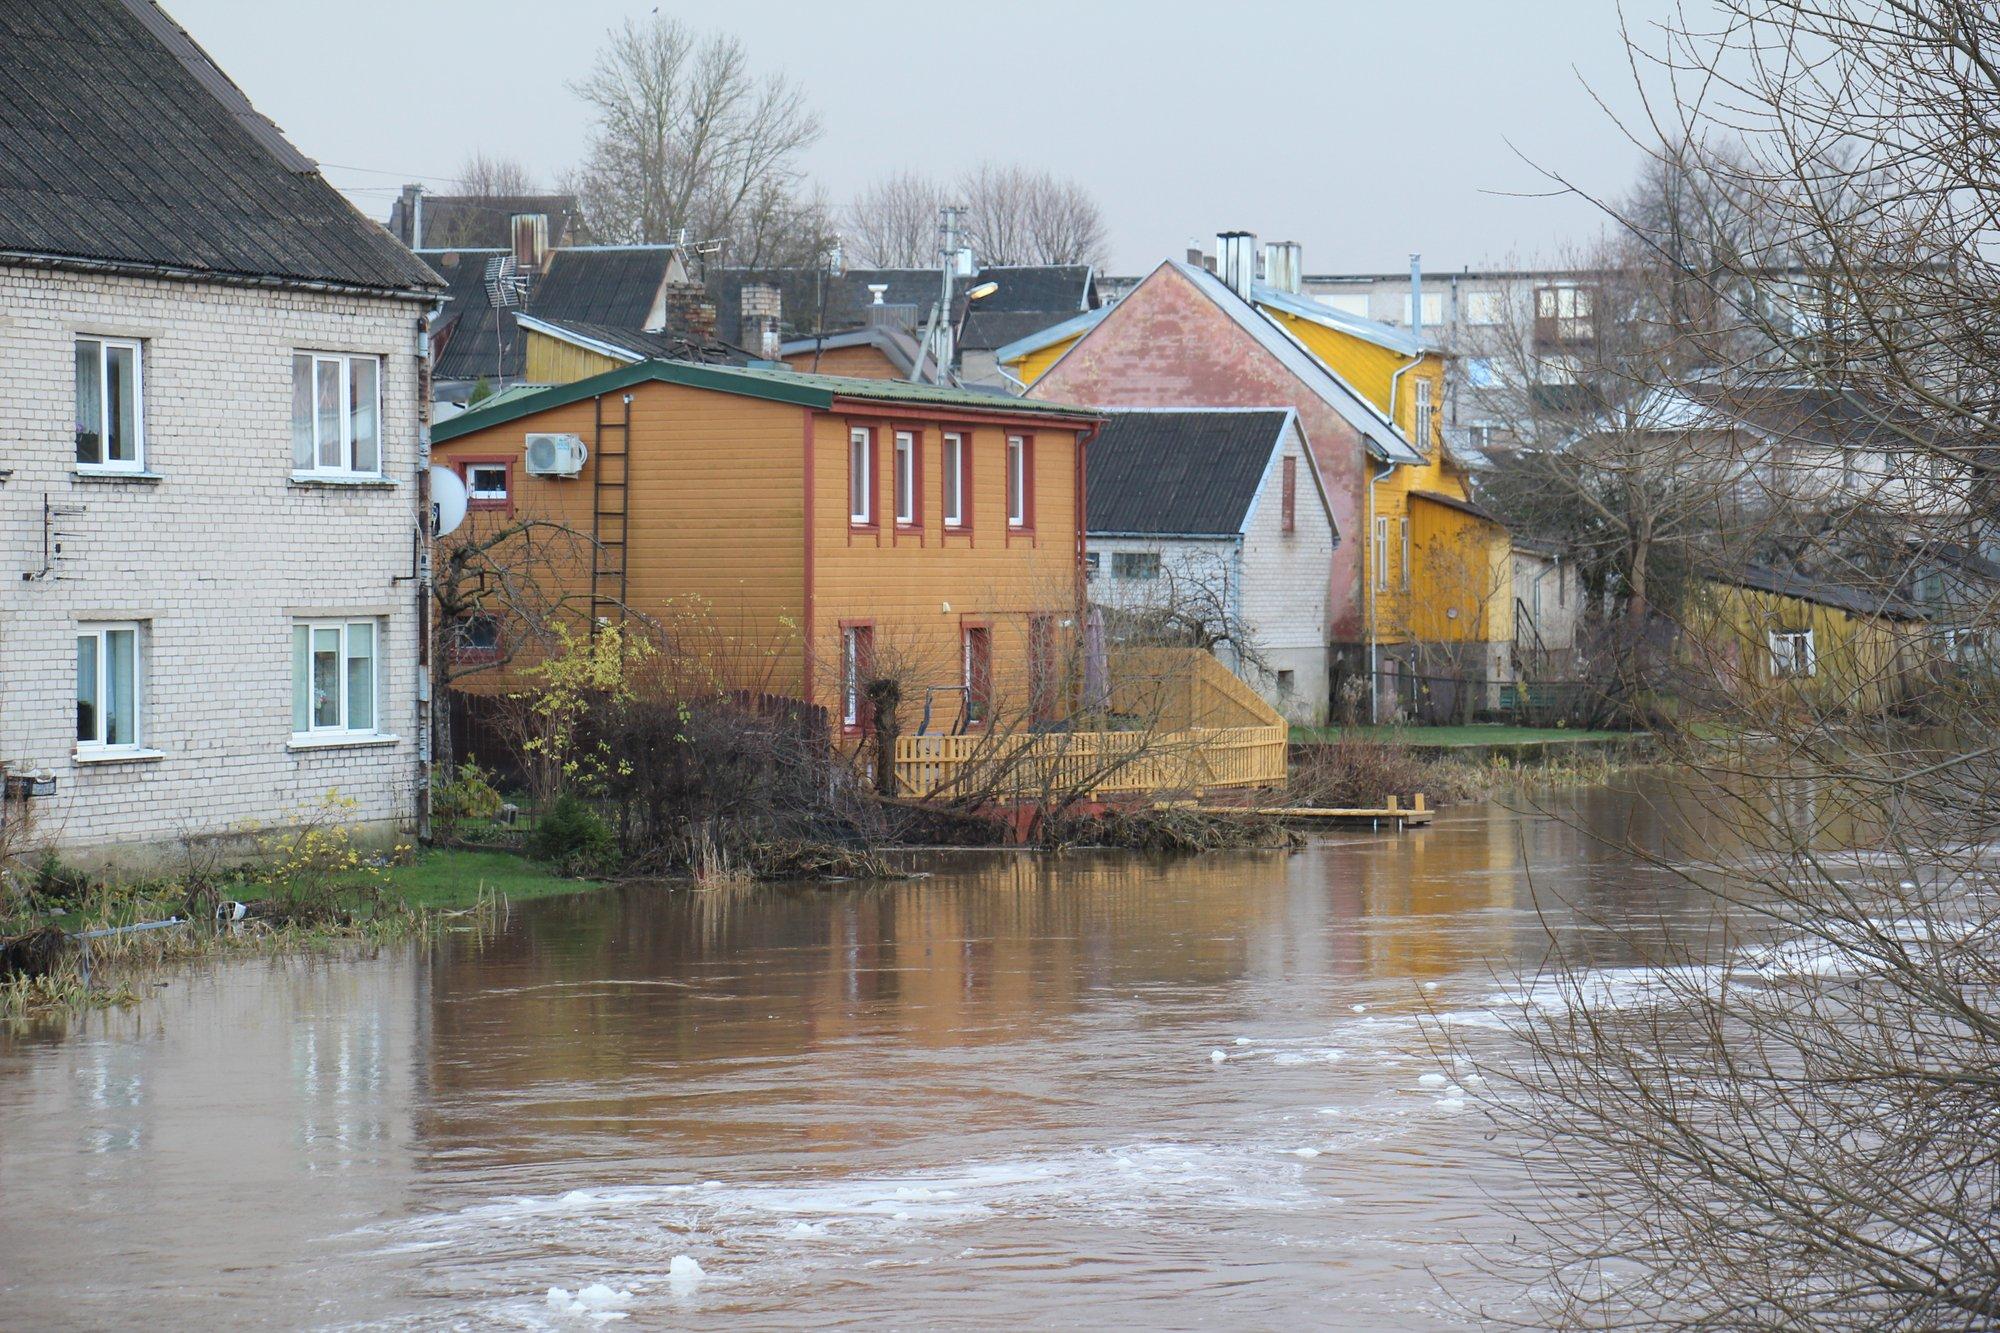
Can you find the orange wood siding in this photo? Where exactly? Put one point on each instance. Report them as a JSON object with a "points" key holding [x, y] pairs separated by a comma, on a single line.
{"points": [[716, 535], [922, 586], [859, 362]]}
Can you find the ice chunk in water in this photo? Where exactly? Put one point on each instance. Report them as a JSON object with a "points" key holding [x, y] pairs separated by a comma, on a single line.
{"points": [[1360, 1008], [596, 1297], [684, 1274], [1430, 1080], [1450, 1104], [1430, 985], [1242, 1041], [1218, 1056], [1305, 1152]]}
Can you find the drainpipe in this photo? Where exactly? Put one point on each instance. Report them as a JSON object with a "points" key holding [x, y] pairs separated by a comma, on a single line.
{"points": [[1368, 583], [425, 704]]}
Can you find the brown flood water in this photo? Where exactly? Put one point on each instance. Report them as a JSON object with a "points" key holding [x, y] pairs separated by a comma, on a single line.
{"points": [[1095, 1089]]}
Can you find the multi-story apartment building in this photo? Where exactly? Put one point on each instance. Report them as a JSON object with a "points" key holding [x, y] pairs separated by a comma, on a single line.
{"points": [[212, 367]]}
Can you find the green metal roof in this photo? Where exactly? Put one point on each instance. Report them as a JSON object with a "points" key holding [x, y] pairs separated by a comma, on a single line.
{"points": [[778, 386]]}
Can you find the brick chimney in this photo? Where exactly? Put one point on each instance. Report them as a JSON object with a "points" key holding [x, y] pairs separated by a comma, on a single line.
{"points": [[690, 312], [763, 318]]}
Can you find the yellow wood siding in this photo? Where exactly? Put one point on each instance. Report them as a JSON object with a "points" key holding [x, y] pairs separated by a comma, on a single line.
{"points": [[1034, 365], [922, 587], [1859, 661], [715, 543], [1457, 561], [549, 360]]}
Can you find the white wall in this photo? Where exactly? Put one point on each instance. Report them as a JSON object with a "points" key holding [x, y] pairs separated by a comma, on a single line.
{"points": [[1277, 583], [214, 557]]}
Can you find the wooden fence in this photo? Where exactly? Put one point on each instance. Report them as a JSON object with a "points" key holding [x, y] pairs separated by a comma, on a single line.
{"points": [[1205, 730]]}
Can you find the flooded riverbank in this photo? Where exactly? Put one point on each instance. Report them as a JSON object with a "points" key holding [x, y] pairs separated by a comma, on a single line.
{"points": [[1094, 1088]]}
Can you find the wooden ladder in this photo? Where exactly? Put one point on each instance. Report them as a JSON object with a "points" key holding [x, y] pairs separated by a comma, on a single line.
{"points": [[610, 513]]}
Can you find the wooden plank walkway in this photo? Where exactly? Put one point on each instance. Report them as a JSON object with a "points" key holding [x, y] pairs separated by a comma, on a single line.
{"points": [[1415, 815]]}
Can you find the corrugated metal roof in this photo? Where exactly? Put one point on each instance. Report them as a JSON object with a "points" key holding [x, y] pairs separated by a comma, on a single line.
{"points": [[1369, 330], [1072, 327], [122, 143], [1179, 472], [785, 386]]}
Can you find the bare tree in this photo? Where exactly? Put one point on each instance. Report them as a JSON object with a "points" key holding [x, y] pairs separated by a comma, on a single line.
{"points": [[1794, 1124], [687, 136], [492, 175], [893, 222], [1015, 215]]}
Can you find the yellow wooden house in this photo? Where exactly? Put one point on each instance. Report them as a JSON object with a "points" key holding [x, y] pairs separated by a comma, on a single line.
{"points": [[1440, 567], [1772, 640]]}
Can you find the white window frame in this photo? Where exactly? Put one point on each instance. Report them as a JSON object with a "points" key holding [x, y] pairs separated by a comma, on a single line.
{"points": [[1381, 553], [1422, 414], [1133, 562], [489, 497], [1404, 525], [860, 476], [1484, 309], [101, 631], [105, 463], [1785, 659], [906, 479], [1433, 309], [341, 729], [345, 469], [953, 478], [1017, 481]]}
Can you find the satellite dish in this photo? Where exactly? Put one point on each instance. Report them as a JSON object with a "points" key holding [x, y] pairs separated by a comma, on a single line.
{"points": [[447, 500]]}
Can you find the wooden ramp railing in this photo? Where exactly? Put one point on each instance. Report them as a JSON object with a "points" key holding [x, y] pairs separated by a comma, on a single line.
{"points": [[1209, 731]]}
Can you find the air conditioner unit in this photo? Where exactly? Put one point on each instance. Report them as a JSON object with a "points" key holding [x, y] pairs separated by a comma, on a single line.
{"points": [[556, 455]]}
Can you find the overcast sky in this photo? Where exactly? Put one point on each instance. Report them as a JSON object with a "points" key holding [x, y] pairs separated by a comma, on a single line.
{"points": [[1364, 131]]}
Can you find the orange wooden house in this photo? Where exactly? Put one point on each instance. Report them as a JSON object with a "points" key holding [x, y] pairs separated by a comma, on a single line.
{"points": [[821, 529]]}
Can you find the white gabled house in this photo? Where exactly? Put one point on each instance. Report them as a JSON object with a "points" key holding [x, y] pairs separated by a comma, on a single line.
{"points": [[212, 371], [1219, 515]]}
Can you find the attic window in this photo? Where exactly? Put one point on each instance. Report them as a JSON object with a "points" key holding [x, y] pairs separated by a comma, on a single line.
{"points": [[1792, 653]]}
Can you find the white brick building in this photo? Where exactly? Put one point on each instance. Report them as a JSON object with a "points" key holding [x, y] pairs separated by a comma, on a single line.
{"points": [[209, 509], [1220, 514]]}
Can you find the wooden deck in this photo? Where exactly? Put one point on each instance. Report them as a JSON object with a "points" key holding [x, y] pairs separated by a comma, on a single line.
{"points": [[1415, 815], [1206, 731]]}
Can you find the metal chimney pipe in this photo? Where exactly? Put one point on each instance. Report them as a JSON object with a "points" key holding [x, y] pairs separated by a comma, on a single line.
{"points": [[1417, 297], [1236, 260]]}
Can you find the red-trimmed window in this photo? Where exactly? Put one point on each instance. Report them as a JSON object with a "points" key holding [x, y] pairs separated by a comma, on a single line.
{"points": [[861, 477], [476, 638], [1021, 481], [978, 655], [957, 477], [857, 660], [1291, 494], [1042, 682], [908, 479], [489, 482]]}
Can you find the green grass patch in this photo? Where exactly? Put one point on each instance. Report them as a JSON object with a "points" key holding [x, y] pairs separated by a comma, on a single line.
{"points": [[1482, 733], [449, 877]]}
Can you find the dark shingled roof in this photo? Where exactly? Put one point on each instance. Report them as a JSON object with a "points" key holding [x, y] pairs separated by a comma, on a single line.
{"points": [[610, 286], [480, 222], [1029, 297], [1189, 472], [1807, 588], [663, 346], [122, 143]]}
